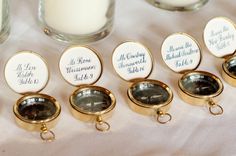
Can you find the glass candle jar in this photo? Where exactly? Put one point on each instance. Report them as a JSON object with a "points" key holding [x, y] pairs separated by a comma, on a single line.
{"points": [[4, 20], [178, 5], [76, 21]]}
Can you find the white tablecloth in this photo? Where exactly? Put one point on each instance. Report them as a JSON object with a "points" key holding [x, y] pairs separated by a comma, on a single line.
{"points": [[193, 131]]}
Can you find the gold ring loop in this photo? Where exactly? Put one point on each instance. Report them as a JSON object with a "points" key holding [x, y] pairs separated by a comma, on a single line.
{"points": [[47, 136], [219, 112], [161, 115], [102, 126]]}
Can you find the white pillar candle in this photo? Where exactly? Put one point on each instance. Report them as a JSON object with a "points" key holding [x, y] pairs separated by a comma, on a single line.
{"points": [[178, 3], [77, 17]]}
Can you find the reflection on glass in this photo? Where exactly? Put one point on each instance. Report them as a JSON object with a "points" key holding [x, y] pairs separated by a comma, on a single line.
{"points": [[231, 66], [150, 94], [91, 100], [37, 109], [200, 84]]}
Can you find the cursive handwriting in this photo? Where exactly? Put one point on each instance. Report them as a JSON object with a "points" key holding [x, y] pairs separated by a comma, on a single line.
{"points": [[221, 39], [181, 54], [25, 74], [81, 67], [134, 63]]}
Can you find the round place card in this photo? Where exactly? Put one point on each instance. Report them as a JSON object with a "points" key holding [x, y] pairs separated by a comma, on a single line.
{"points": [[80, 65], [26, 72], [181, 52], [132, 60], [220, 36]]}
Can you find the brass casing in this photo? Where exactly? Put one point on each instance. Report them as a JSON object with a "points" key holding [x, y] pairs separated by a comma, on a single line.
{"points": [[227, 76], [33, 125], [145, 109], [199, 99], [91, 116]]}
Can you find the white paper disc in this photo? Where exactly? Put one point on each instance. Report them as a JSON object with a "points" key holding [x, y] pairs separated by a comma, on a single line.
{"points": [[26, 72], [80, 65], [220, 36], [132, 60], [181, 52]]}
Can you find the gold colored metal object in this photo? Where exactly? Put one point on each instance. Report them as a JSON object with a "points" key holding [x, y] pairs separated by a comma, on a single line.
{"points": [[228, 72], [46, 134], [34, 111], [151, 101], [82, 67], [202, 93], [47, 31], [133, 62], [195, 87], [102, 125], [90, 113], [219, 36]]}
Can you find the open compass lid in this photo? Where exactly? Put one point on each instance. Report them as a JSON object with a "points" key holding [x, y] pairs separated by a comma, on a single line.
{"points": [[80, 66], [220, 36], [132, 60], [181, 52], [26, 72]]}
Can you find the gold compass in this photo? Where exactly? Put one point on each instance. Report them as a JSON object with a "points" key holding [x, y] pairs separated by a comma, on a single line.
{"points": [[220, 39], [82, 67], [133, 62], [27, 73], [182, 54]]}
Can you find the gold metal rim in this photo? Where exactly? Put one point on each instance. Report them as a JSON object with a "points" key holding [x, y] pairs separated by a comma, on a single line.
{"points": [[228, 76], [100, 113], [226, 69], [220, 90], [199, 46], [54, 117], [31, 52], [94, 51], [151, 107], [148, 50]]}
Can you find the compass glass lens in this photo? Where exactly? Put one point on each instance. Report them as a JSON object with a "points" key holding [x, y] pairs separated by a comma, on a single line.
{"points": [[200, 84], [149, 93], [91, 100], [37, 108]]}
